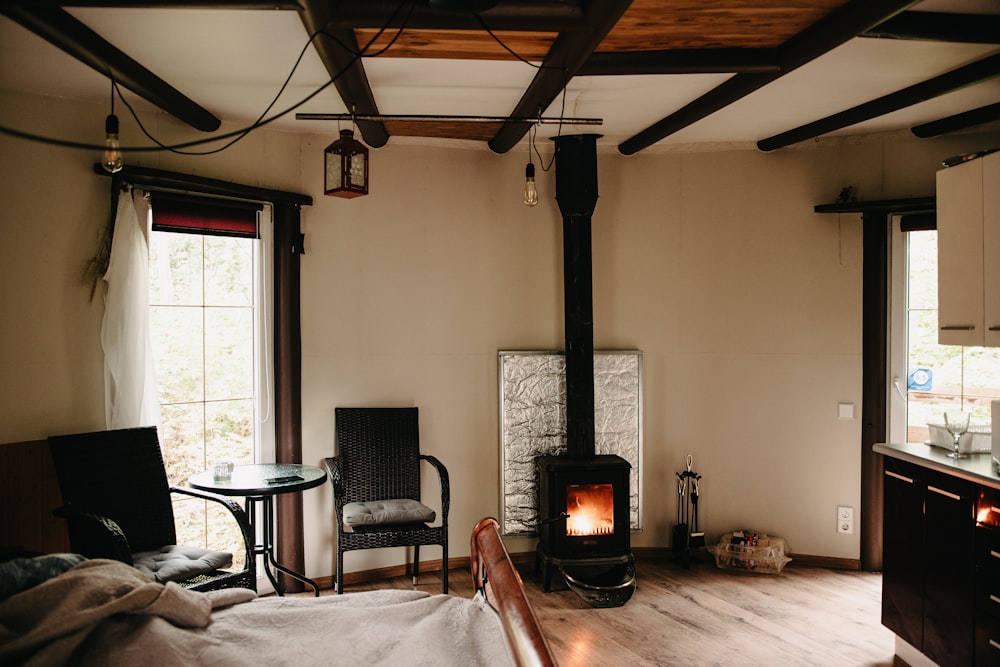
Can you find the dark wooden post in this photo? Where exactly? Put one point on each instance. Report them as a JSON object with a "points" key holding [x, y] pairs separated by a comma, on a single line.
{"points": [[874, 345], [288, 384]]}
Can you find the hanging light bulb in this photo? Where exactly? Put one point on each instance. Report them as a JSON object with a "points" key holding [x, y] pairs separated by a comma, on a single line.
{"points": [[112, 161], [530, 191]]}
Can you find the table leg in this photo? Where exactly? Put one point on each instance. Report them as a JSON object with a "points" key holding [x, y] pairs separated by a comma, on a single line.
{"points": [[266, 549]]}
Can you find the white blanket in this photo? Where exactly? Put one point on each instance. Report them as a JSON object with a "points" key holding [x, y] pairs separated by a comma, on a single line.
{"points": [[88, 616]]}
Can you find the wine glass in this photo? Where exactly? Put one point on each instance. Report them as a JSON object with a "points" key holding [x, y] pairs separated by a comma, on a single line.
{"points": [[957, 424]]}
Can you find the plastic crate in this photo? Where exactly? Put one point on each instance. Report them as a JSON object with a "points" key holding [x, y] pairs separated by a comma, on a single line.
{"points": [[977, 440], [749, 551]]}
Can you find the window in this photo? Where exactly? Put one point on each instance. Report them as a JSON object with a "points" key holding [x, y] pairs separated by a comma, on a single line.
{"points": [[926, 378], [208, 323]]}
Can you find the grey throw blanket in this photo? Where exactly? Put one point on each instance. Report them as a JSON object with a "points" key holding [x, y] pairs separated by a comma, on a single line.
{"points": [[47, 624], [105, 613]]}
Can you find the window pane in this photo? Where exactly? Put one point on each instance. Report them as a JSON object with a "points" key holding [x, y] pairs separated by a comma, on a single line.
{"points": [[223, 533], [922, 262], [182, 439], [982, 378], [177, 334], [175, 269], [229, 431], [228, 271], [189, 517], [229, 353]]}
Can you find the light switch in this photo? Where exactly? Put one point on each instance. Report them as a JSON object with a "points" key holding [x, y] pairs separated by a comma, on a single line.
{"points": [[845, 410]]}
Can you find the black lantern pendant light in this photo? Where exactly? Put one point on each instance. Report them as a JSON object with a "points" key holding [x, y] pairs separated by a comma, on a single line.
{"points": [[346, 167]]}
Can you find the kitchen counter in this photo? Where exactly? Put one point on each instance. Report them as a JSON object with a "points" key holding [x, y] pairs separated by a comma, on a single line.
{"points": [[974, 468]]}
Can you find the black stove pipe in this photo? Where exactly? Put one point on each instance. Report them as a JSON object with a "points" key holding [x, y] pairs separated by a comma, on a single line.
{"points": [[576, 194]]}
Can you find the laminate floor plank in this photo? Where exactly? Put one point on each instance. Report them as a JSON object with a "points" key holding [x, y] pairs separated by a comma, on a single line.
{"points": [[705, 616]]}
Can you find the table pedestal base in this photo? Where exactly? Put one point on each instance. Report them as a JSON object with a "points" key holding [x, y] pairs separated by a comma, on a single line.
{"points": [[262, 507]]}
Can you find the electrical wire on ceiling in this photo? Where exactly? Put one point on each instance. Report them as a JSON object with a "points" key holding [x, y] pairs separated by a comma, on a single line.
{"points": [[239, 134], [262, 120], [533, 131]]}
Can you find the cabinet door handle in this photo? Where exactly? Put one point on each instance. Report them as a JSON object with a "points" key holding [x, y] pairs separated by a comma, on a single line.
{"points": [[995, 509], [994, 644], [994, 598], [959, 327], [942, 492], [898, 476], [994, 554], [996, 328]]}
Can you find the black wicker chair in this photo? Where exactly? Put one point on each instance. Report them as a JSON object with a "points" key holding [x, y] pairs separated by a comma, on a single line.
{"points": [[118, 505], [376, 486]]}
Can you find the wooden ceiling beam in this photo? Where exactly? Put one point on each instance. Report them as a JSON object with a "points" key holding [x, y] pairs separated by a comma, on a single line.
{"points": [[830, 32], [681, 61], [63, 30], [514, 15], [959, 121], [977, 72], [940, 27], [569, 52], [339, 52]]}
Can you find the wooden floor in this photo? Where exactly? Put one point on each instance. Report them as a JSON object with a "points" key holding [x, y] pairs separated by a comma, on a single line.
{"points": [[805, 616]]}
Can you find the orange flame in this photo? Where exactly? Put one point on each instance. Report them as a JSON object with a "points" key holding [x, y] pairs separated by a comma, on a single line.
{"points": [[591, 509]]}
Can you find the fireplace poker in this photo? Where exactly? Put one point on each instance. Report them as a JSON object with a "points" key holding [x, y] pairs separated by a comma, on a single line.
{"points": [[697, 538], [679, 545], [686, 535]]}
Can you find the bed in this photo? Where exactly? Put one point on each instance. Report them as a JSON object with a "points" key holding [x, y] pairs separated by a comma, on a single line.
{"points": [[102, 612]]}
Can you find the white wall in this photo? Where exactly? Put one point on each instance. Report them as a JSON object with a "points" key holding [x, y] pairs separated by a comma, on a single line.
{"points": [[745, 304]]}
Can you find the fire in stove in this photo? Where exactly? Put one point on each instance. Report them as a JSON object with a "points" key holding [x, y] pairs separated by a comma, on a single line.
{"points": [[590, 509]]}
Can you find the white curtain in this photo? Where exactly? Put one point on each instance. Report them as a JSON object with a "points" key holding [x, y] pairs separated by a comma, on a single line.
{"points": [[130, 397]]}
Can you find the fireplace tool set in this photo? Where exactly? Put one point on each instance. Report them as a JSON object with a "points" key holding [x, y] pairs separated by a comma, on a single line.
{"points": [[687, 538]]}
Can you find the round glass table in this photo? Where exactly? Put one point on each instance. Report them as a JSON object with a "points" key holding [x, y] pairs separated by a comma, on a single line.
{"points": [[258, 483]]}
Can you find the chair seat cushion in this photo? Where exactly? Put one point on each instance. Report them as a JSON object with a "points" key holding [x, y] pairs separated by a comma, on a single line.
{"points": [[387, 512], [179, 563]]}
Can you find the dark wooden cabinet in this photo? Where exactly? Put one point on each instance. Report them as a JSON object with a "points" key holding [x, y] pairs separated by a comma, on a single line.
{"points": [[988, 578], [929, 557], [902, 552]]}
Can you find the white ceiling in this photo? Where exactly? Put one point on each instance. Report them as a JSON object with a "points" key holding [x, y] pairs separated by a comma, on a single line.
{"points": [[233, 63]]}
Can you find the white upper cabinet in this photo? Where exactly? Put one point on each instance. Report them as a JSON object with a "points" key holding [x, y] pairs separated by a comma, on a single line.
{"points": [[968, 223]]}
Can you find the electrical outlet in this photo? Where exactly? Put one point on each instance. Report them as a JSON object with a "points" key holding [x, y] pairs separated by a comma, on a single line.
{"points": [[845, 520]]}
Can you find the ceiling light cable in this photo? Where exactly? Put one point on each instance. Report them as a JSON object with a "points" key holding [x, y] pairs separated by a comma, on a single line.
{"points": [[112, 160], [175, 148]]}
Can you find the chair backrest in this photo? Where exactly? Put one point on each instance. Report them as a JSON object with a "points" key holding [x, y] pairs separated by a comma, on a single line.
{"points": [[118, 474], [379, 453]]}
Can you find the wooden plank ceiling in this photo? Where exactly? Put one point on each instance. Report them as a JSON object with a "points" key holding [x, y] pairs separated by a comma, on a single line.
{"points": [[756, 41], [659, 27]]}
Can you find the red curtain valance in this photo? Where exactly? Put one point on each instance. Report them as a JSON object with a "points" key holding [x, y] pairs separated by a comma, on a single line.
{"points": [[204, 215]]}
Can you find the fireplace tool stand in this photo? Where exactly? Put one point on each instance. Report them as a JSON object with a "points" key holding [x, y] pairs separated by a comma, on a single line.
{"points": [[688, 540]]}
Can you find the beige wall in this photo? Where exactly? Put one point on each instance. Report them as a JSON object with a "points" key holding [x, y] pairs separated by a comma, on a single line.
{"points": [[745, 304]]}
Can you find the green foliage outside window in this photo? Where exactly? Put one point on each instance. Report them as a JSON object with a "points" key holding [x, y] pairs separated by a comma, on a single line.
{"points": [[202, 328]]}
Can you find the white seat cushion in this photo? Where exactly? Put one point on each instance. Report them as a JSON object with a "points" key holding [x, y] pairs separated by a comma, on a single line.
{"points": [[386, 512], [179, 563]]}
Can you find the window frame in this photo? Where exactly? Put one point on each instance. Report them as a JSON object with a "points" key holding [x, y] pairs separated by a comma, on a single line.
{"points": [[263, 305]]}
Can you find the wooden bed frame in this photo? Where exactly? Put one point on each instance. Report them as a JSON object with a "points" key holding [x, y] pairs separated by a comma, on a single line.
{"points": [[496, 579]]}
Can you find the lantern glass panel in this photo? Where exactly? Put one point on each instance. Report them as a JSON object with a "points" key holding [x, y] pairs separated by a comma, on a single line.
{"points": [[333, 171], [357, 172]]}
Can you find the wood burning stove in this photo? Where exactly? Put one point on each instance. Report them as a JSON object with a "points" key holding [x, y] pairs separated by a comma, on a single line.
{"points": [[583, 506], [583, 512], [583, 498]]}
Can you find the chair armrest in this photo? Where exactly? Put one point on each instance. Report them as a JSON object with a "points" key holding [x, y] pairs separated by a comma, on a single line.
{"points": [[95, 536], [332, 465], [445, 484], [249, 539]]}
